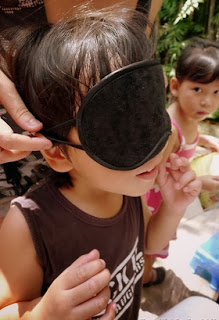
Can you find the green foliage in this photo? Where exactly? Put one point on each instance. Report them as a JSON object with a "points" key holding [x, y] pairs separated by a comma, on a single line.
{"points": [[179, 21], [216, 19], [214, 116]]}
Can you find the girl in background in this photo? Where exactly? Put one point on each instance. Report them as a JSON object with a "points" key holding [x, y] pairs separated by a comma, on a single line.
{"points": [[195, 91]]}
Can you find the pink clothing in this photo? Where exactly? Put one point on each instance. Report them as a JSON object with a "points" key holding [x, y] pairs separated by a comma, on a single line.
{"points": [[186, 150], [153, 197]]}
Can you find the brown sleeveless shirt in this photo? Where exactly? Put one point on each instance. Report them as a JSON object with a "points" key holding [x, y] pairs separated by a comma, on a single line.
{"points": [[61, 233]]}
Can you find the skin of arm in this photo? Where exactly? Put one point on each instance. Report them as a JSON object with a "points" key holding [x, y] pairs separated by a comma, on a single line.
{"points": [[179, 188], [210, 183], [209, 142], [79, 293], [16, 249], [56, 10]]}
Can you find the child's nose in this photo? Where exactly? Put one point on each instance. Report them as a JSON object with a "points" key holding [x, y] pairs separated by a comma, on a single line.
{"points": [[206, 101]]}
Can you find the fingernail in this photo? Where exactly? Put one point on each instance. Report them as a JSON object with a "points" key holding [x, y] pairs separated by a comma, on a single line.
{"points": [[103, 262], [93, 253], [33, 122], [47, 145], [114, 306]]}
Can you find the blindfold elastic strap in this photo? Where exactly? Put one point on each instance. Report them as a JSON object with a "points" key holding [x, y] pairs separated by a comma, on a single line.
{"points": [[52, 135], [63, 125]]}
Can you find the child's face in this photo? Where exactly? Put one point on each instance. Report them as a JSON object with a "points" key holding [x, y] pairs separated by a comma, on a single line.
{"points": [[92, 175], [198, 100], [121, 123]]}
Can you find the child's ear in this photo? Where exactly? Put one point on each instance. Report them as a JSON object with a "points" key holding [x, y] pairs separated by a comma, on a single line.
{"points": [[57, 160], [174, 86]]}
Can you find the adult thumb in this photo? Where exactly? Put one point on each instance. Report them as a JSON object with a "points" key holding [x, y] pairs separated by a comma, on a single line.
{"points": [[14, 105]]}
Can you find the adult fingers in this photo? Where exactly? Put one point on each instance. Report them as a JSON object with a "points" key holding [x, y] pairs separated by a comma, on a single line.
{"points": [[14, 141], [22, 142], [10, 156], [14, 105]]}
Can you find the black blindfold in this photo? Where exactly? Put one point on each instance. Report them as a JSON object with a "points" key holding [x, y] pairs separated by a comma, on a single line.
{"points": [[122, 121]]}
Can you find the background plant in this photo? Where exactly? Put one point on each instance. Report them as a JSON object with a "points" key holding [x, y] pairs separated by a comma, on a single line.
{"points": [[180, 20]]}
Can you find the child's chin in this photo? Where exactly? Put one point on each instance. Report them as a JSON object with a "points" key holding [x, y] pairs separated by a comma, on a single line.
{"points": [[140, 192]]}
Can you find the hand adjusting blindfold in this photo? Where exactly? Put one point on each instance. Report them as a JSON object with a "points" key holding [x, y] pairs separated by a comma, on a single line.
{"points": [[122, 122]]}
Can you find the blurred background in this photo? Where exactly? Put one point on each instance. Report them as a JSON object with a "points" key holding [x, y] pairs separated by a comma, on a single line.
{"points": [[177, 22]]}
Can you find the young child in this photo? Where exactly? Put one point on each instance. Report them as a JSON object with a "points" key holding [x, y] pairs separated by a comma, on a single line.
{"points": [[17, 176], [195, 90], [94, 84]]}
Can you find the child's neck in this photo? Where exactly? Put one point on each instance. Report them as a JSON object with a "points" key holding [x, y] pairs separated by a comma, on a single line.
{"points": [[188, 126], [98, 203]]}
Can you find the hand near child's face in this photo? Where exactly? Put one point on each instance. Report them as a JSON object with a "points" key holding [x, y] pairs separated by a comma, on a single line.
{"points": [[180, 186], [14, 146], [80, 292]]}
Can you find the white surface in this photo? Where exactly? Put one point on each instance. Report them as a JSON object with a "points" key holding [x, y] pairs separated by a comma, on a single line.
{"points": [[196, 227]]}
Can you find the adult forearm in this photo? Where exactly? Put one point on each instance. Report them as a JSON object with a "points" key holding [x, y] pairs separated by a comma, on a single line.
{"points": [[162, 227], [56, 10]]}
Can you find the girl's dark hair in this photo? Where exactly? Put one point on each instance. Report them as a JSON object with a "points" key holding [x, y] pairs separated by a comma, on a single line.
{"points": [[199, 61], [53, 67]]}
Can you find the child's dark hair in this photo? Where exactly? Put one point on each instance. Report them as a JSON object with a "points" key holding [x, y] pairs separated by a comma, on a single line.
{"points": [[199, 61], [53, 67]]}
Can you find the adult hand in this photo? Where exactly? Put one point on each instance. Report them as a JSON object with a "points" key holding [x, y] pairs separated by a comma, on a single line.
{"points": [[80, 292], [16, 146]]}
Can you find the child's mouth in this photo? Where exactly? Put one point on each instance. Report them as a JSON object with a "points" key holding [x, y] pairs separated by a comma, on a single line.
{"points": [[148, 175], [202, 113]]}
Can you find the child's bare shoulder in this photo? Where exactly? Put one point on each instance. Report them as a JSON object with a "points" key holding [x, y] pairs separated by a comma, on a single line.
{"points": [[20, 273], [14, 226]]}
